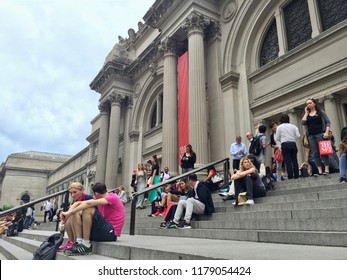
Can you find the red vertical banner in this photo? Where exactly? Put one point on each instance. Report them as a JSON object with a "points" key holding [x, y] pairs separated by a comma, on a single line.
{"points": [[183, 127]]}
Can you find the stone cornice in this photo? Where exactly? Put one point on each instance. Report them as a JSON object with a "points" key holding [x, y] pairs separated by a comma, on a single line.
{"points": [[159, 11], [94, 136], [142, 62], [134, 136], [229, 80], [110, 70]]}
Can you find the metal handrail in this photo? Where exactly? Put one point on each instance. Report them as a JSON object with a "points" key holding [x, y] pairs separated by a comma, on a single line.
{"points": [[135, 195], [45, 198], [15, 209]]}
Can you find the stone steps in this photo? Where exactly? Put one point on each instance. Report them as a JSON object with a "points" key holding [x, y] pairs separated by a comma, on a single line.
{"points": [[300, 219], [154, 247]]}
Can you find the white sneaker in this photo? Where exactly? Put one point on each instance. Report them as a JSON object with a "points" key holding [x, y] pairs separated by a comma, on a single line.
{"points": [[234, 203], [223, 194], [249, 202]]}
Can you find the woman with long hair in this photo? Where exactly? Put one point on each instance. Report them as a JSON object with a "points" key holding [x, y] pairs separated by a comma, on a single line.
{"points": [[318, 127], [181, 194], [188, 159], [155, 179], [141, 181], [247, 179]]}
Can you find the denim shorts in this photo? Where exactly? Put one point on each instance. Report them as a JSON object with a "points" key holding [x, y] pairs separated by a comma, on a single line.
{"points": [[101, 230]]}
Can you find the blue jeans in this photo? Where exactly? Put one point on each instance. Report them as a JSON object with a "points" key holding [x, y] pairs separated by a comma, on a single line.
{"points": [[343, 165]]}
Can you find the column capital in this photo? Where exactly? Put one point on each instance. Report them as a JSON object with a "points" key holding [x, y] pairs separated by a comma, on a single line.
{"points": [[293, 111], [104, 107], [116, 99], [327, 97], [129, 101], [214, 31], [168, 46], [195, 22]]}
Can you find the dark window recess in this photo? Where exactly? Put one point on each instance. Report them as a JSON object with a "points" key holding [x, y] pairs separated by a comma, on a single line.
{"points": [[332, 12], [298, 23], [270, 49], [154, 117]]}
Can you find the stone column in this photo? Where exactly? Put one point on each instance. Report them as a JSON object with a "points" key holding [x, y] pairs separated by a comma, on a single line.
{"points": [[113, 141], [330, 108], [102, 145], [198, 135], [294, 119], [127, 167], [218, 147], [170, 103]]}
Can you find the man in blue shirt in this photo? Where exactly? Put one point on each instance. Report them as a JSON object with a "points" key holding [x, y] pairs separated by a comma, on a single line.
{"points": [[237, 151]]}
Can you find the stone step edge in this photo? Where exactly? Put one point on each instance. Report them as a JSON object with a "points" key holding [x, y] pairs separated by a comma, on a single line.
{"points": [[316, 238]]}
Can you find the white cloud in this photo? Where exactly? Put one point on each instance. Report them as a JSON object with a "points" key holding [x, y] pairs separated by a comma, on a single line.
{"points": [[50, 51]]}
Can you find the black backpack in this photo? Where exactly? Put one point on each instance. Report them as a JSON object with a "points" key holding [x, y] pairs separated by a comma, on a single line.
{"points": [[48, 249], [267, 181], [256, 146], [12, 229]]}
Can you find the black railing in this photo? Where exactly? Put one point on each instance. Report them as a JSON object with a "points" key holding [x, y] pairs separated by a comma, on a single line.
{"points": [[226, 167], [65, 204]]}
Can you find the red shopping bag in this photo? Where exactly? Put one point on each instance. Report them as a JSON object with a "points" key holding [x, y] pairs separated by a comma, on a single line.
{"points": [[278, 155], [325, 148]]}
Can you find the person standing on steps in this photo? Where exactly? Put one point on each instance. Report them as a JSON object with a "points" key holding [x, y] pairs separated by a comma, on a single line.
{"points": [[188, 159], [318, 127]]}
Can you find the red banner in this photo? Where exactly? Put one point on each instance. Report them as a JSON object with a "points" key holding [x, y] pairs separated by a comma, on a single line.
{"points": [[183, 131]]}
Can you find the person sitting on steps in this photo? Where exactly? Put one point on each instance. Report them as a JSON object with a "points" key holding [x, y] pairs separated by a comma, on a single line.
{"points": [[248, 179], [76, 191], [199, 202], [99, 219]]}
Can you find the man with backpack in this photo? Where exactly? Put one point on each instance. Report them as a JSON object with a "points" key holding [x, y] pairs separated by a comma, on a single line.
{"points": [[258, 145]]}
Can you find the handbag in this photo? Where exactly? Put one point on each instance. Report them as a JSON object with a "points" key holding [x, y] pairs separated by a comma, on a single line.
{"points": [[305, 141], [325, 148], [217, 178], [242, 198], [278, 156]]}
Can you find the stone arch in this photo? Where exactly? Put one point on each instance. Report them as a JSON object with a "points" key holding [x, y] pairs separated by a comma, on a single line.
{"points": [[244, 39], [25, 195], [145, 103]]}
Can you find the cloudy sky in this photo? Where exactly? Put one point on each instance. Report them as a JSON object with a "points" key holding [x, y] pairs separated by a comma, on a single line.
{"points": [[50, 51]]}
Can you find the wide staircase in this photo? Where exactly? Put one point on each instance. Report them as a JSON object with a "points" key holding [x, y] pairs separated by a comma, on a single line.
{"points": [[301, 219]]}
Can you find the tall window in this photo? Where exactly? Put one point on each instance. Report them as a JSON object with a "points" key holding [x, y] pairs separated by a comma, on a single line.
{"points": [[298, 23], [332, 12], [269, 50], [154, 116]]}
